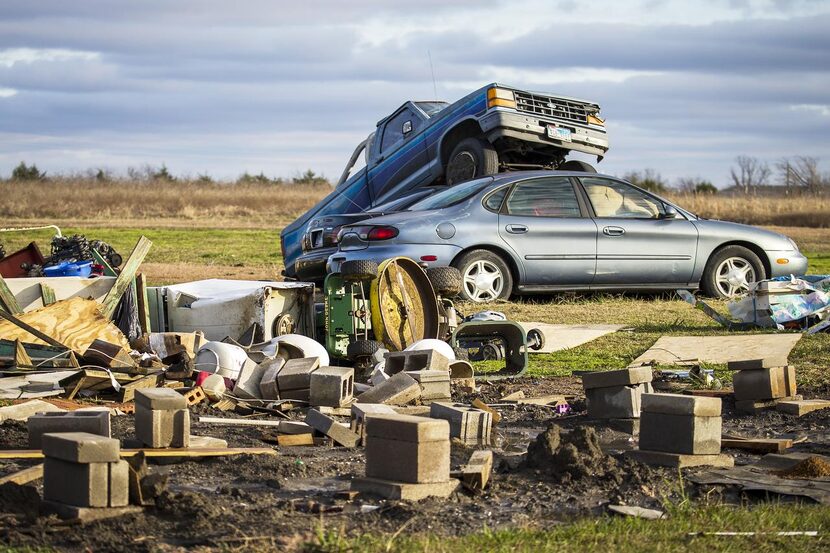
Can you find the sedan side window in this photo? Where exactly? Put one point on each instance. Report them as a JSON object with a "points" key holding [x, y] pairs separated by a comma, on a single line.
{"points": [[616, 199], [549, 197]]}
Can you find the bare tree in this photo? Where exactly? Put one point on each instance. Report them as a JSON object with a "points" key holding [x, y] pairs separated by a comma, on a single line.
{"points": [[751, 172], [802, 172]]}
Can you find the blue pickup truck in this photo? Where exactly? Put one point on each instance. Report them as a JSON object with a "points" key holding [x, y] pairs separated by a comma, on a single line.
{"points": [[496, 128]]}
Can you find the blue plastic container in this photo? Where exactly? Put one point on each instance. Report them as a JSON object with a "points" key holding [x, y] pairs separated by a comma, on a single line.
{"points": [[67, 268]]}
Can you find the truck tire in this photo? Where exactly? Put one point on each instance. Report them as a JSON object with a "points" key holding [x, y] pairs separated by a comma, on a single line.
{"points": [[470, 159], [730, 271], [446, 281], [576, 165], [359, 270], [362, 348]]}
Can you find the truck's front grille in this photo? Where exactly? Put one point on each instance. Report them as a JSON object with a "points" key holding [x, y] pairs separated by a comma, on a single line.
{"points": [[553, 107]]}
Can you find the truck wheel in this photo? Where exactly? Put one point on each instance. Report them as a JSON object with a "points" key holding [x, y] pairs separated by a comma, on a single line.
{"points": [[471, 158], [576, 165], [359, 270], [445, 280], [484, 276], [730, 271]]}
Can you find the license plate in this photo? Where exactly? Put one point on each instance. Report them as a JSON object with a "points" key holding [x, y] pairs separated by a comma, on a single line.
{"points": [[559, 133]]}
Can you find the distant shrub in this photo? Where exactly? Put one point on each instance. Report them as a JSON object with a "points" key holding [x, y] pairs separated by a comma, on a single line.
{"points": [[25, 172], [648, 179], [309, 177], [705, 187]]}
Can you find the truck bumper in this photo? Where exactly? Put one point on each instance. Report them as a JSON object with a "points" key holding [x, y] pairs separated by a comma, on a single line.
{"points": [[501, 123]]}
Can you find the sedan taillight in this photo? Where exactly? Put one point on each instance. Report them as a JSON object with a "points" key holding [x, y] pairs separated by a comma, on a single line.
{"points": [[381, 233]]}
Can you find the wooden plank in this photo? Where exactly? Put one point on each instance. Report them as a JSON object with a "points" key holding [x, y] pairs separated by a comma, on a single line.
{"points": [[7, 299], [24, 476], [238, 422], [124, 280], [127, 392], [759, 445], [291, 440], [21, 357], [149, 452], [47, 294], [142, 303]]}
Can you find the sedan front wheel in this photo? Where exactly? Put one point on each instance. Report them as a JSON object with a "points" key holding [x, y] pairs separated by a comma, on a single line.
{"points": [[731, 271], [484, 276]]}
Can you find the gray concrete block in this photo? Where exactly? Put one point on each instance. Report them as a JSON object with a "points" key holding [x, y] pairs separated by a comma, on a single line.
{"points": [[81, 447], [403, 490], [405, 461], [296, 373], [757, 364], [247, 383], [80, 484], [23, 411], [468, 424], [331, 428], [400, 389], [119, 484], [332, 386], [681, 404], [680, 433], [407, 428], [91, 422], [680, 460], [418, 360], [772, 383], [162, 428], [294, 427], [181, 428], [160, 398], [616, 402], [622, 377], [303, 394], [362, 410], [435, 385], [268, 385]]}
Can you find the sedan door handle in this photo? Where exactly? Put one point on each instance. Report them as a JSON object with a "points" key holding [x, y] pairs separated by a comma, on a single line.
{"points": [[613, 231], [516, 229]]}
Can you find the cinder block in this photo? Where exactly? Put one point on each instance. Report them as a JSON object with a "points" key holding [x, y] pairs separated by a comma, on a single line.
{"points": [[378, 376], [680, 433], [296, 373], [400, 389], [268, 385], [468, 424], [160, 398], [303, 394], [407, 428], [404, 461], [362, 410], [622, 377], [435, 385], [331, 428], [332, 386], [91, 422], [80, 484], [681, 404], [616, 402], [757, 364], [294, 427], [119, 484], [773, 383], [81, 447], [162, 428], [418, 360], [181, 428], [247, 383]]}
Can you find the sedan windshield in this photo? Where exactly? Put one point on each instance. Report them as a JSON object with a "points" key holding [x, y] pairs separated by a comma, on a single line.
{"points": [[452, 195]]}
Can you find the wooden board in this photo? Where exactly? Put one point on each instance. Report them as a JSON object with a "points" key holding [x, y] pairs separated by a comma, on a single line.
{"points": [[24, 476], [681, 350], [74, 323], [47, 294], [761, 445], [126, 277], [149, 452], [7, 299]]}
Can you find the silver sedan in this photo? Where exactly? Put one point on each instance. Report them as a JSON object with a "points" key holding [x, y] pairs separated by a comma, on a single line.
{"points": [[547, 231]]}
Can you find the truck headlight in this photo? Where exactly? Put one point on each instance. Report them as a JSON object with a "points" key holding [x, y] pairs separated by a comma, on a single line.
{"points": [[500, 97]]}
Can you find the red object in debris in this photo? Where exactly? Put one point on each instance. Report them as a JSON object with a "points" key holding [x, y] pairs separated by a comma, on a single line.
{"points": [[17, 264], [97, 270], [202, 375]]}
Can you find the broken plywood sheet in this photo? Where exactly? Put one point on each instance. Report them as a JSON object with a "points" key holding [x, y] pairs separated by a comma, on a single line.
{"points": [[688, 350], [21, 387], [75, 323], [559, 337]]}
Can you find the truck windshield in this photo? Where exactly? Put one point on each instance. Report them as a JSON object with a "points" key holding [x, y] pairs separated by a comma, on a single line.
{"points": [[431, 108], [452, 195]]}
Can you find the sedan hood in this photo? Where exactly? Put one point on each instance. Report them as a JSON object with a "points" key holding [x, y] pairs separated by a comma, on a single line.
{"points": [[767, 239]]}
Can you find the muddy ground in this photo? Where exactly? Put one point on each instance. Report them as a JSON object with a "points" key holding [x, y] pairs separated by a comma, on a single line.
{"points": [[279, 502]]}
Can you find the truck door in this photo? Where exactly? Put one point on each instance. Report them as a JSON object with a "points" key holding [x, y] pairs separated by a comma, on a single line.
{"points": [[400, 162]]}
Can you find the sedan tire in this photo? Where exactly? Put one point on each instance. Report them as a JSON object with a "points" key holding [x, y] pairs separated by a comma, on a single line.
{"points": [[485, 276], [730, 271]]}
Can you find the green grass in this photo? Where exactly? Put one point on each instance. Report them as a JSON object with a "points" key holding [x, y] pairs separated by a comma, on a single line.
{"points": [[618, 534], [819, 262]]}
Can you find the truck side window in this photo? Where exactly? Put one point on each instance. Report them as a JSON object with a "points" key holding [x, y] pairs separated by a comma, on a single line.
{"points": [[393, 130]]}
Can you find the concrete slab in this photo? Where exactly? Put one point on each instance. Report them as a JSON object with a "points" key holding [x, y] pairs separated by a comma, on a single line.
{"points": [[207, 441], [681, 404], [81, 447], [755, 406], [688, 350], [86, 514], [22, 411], [403, 490], [559, 337], [160, 398], [802, 407], [247, 383], [756, 364], [679, 460]]}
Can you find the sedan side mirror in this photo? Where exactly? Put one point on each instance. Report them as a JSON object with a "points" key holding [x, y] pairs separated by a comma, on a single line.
{"points": [[669, 212]]}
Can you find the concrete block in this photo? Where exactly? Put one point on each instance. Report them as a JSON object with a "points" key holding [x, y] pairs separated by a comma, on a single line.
{"points": [[435, 385], [476, 473], [616, 402], [405, 461], [418, 360], [23, 411], [81, 447], [86, 515], [119, 484], [400, 389], [680, 433], [160, 398], [407, 428], [294, 427], [268, 385], [296, 373], [332, 386], [91, 422], [468, 424], [681, 404], [757, 364], [361, 410], [799, 408], [331, 428], [622, 377], [772, 383], [680, 460], [402, 490], [247, 383], [181, 428], [303, 394], [80, 484], [378, 376], [162, 428]]}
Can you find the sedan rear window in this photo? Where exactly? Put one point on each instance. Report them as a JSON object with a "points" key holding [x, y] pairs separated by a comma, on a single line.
{"points": [[452, 195], [549, 197]]}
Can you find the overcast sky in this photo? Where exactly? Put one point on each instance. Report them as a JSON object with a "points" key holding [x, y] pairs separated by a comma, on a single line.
{"points": [[222, 87]]}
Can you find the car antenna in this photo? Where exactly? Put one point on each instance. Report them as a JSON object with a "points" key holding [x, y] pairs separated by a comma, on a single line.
{"points": [[432, 70]]}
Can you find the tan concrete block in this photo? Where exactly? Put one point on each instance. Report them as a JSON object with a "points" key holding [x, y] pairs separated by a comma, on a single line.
{"points": [[680, 433], [680, 404], [80, 484], [401, 461], [119, 484]]}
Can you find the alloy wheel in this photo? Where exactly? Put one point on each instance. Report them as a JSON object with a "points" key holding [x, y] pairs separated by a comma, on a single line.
{"points": [[734, 275], [483, 281]]}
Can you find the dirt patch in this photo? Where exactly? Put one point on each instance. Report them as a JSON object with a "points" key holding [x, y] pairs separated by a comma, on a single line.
{"points": [[576, 454], [811, 467]]}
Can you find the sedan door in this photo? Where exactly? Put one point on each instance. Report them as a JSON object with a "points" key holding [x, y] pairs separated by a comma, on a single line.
{"points": [[637, 242], [545, 223]]}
